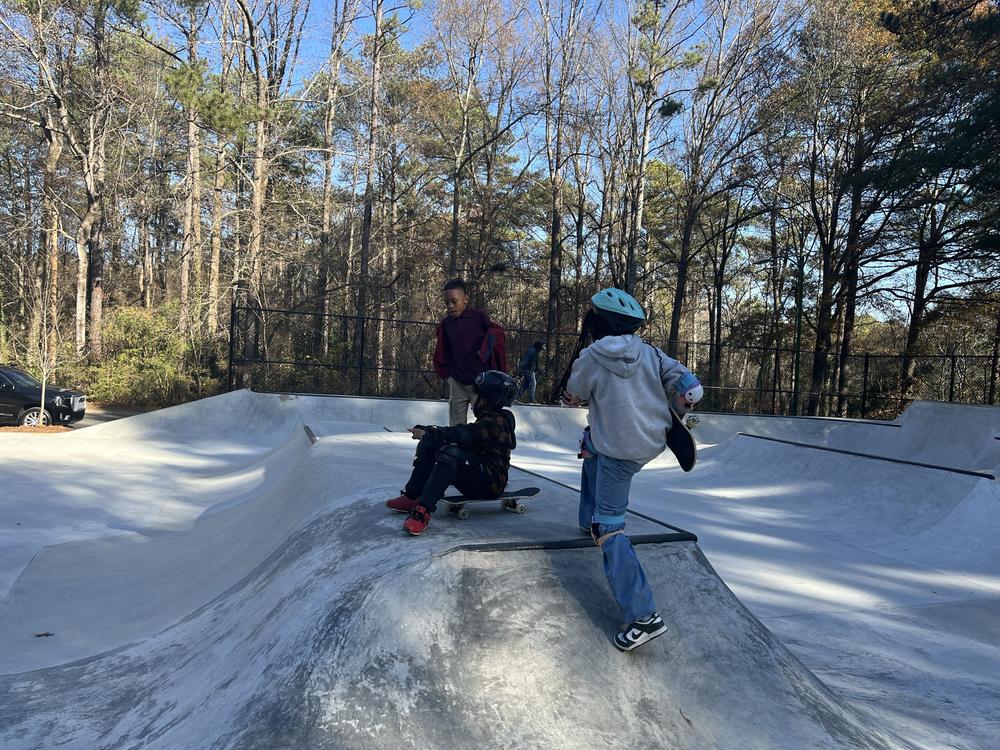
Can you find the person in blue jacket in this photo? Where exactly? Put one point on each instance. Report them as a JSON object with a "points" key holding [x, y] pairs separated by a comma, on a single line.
{"points": [[526, 370], [633, 390]]}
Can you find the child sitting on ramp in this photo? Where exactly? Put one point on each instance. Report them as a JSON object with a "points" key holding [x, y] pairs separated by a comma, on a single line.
{"points": [[474, 458], [633, 389]]}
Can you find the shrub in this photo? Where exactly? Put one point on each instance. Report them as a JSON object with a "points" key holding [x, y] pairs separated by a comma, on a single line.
{"points": [[149, 363]]}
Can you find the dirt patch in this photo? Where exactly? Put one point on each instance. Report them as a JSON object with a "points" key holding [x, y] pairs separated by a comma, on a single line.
{"points": [[40, 428]]}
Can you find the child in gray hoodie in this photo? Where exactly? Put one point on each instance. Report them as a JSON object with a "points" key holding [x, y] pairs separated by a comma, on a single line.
{"points": [[634, 392]]}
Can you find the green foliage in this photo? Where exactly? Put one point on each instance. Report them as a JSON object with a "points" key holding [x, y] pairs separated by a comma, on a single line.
{"points": [[691, 59], [194, 88], [669, 107], [708, 83], [147, 363], [646, 18], [130, 10], [186, 81]]}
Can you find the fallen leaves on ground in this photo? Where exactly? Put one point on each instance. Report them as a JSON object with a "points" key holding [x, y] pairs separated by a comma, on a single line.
{"points": [[40, 428]]}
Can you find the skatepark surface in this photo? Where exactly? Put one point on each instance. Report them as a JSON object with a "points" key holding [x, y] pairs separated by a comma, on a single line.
{"points": [[223, 574]]}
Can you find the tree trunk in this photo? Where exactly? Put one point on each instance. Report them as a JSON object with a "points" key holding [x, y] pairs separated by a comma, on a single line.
{"points": [[995, 367], [603, 231], [95, 165], [83, 274], [369, 196], [846, 341], [553, 132], [456, 198], [146, 271], [581, 216], [50, 213], [352, 242], [683, 265], [258, 188], [95, 250], [218, 185], [340, 29], [191, 252], [34, 261], [927, 256], [824, 335], [555, 259], [639, 205]]}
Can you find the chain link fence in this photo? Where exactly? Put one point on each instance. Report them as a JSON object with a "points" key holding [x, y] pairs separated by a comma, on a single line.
{"points": [[303, 352]]}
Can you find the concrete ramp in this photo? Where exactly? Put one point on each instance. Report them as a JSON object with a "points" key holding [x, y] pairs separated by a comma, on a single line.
{"points": [[959, 436], [507, 649], [347, 637], [711, 428]]}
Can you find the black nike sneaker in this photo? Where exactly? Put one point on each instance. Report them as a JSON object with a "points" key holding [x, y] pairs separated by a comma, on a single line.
{"points": [[640, 632]]}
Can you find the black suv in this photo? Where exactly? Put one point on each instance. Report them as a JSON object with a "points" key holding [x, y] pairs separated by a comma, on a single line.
{"points": [[20, 395]]}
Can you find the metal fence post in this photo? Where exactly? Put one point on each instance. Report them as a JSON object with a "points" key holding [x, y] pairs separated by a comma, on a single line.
{"points": [[230, 377], [951, 388], [991, 397], [864, 388], [361, 360]]}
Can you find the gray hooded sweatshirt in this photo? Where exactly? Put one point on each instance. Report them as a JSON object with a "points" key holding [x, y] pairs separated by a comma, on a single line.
{"points": [[629, 385]]}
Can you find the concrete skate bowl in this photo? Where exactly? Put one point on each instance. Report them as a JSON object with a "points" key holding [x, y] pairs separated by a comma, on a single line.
{"points": [[943, 434], [379, 644], [149, 477], [292, 612], [926, 496], [813, 500]]}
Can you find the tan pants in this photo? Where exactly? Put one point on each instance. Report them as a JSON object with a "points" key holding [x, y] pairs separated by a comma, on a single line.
{"points": [[459, 398]]}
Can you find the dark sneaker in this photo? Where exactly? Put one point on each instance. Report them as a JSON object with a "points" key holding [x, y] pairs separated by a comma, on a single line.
{"points": [[640, 632], [418, 520], [402, 504]]}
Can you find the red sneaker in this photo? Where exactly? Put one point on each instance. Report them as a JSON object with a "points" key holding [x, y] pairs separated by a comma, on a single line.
{"points": [[402, 504], [418, 520]]}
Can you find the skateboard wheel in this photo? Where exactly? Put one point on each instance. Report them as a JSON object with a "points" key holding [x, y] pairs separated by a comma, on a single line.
{"points": [[519, 508], [453, 509], [463, 514]]}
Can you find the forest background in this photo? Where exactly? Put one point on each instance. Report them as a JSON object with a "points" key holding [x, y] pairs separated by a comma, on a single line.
{"points": [[767, 176]]}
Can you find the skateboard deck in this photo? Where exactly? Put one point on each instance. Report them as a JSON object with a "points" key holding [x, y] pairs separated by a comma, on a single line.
{"points": [[509, 500], [681, 443]]}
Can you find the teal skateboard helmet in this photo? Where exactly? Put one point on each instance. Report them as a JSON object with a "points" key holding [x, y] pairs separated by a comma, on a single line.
{"points": [[616, 301], [619, 310]]}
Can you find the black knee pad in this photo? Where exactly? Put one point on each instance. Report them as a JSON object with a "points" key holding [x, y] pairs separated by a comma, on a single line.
{"points": [[451, 455]]}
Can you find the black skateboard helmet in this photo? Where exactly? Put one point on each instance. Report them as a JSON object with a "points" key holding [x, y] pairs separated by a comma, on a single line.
{"points": [[495, 389]]}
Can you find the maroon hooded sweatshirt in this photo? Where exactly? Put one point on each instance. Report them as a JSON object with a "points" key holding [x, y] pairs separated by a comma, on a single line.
{"points": [[468, 345]]}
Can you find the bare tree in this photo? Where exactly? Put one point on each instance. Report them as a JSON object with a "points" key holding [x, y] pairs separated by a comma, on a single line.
{"points": [[270, 33], [721, 120], [656, 35], [564, 28], [343, 15]]}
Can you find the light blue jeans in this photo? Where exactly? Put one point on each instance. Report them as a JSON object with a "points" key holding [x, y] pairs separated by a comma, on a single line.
{"points": [[604, 490]]}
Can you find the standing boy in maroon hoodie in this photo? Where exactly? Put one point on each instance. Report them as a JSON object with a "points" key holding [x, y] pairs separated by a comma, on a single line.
{"points": [[468, 343]]}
